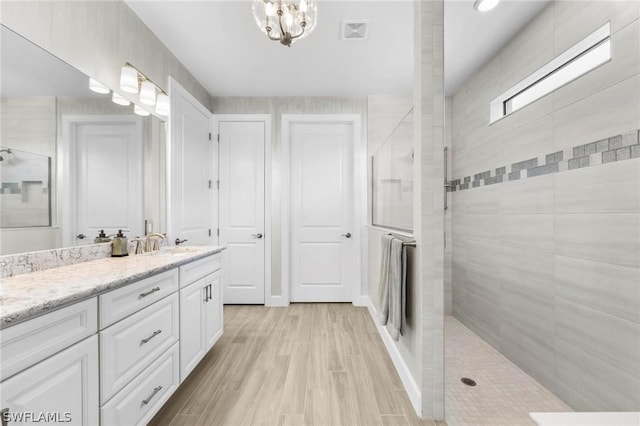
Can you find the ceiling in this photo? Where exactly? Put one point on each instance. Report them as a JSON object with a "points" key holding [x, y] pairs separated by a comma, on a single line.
{"points": [[219, 42]]}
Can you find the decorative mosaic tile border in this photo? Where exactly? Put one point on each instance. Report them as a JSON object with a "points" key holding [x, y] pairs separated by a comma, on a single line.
{"points": [[616, 148]]}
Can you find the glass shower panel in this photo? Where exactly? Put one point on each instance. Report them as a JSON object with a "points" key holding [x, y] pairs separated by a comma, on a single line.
{"points": [[392, 172], [24, 189]]}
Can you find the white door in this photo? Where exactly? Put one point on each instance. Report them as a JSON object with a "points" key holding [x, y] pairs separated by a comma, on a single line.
{"points": [[108, 179], [321, 185], [65, 383], [242, 210], [191, 153]]}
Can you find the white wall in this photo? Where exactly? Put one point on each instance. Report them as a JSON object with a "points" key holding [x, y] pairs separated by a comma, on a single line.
{"points": [[429, 206], [277, 106], [547, 268], [98, 38]]}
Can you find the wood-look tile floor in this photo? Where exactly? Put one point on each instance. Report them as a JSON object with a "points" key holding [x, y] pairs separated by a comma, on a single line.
{"points": [[307, 364]]}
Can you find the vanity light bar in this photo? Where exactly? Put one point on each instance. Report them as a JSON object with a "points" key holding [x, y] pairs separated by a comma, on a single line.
{"points": [[132, 80]]}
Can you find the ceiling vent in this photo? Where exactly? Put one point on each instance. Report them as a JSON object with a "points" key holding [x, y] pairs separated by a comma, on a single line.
{"points": [[355, 30]]}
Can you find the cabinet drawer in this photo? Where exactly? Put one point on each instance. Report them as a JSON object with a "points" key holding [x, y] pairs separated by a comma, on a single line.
{"points": [[141, 399], [28, 343], [200, 268], [129, 346], [65, 385], [118, 304]]}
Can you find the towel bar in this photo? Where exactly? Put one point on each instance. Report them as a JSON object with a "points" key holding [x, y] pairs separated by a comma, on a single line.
{"points": [[404, 243]]}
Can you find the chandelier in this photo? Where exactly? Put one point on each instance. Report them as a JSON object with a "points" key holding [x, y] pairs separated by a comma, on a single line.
{"points": [[285, 20]]}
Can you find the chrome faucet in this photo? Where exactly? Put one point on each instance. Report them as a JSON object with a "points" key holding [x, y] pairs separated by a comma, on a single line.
{"points": [[153, 241]]}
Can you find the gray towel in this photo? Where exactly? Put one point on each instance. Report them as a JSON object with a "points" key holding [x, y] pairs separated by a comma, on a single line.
{"points": [[383, 288], [396, 289]]}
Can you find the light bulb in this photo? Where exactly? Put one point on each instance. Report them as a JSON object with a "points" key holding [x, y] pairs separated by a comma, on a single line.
{"points": [[269, 10], [140, 111], [485, 5], [303, 6], [288, 19], [129, 79], [148, 93], [120, 100], [98, 87], [162, 105]]}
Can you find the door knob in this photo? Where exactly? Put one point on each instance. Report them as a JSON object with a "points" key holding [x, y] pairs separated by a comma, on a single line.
{"points": [[256, 236], [81, 236], [347, 235]]}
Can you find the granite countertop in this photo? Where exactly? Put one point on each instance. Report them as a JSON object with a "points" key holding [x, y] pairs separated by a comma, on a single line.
{"points": [[29, 295]]}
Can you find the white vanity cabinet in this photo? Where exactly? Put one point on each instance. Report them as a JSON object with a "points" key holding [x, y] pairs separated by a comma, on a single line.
{"points": [[200, 318], [50, 368], [114, 359]]}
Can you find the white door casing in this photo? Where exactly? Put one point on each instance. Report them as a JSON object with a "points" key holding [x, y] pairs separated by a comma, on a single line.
{"points": [[244, 159], [190, 160], [322, 220], [100, 177]]}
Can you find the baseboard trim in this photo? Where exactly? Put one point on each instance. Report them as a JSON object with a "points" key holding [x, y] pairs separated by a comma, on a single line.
{"points": [[410, 385], [276, 301], [361, 301]]}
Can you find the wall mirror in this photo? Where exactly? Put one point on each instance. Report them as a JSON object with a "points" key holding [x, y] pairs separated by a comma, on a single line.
{"points": [[392, 172], [72, 161]]}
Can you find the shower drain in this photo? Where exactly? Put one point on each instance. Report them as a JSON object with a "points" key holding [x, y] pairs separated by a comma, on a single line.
{"points": [[467, 381]]}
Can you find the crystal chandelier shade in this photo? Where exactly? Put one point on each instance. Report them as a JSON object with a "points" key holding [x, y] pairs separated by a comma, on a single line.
{"points": [[286, 21]]}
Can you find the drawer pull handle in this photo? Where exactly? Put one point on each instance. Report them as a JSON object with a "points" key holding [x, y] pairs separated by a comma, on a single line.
{"points": [[155, 333], [155, 391], [153, 290]]}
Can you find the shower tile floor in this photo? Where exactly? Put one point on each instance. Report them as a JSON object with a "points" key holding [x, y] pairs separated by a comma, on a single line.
{"points": [[504, 394]]}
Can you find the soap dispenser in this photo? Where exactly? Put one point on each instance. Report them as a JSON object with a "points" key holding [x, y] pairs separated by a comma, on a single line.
{"points": [[120, 245], [102, 238]]}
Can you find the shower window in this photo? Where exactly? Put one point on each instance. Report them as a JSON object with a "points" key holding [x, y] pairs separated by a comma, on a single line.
{"points": [[24, 189], [392, 172], [580, 59]]}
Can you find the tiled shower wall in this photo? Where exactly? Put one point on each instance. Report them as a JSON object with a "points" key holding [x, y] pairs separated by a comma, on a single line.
{"points": [[546, 267]]}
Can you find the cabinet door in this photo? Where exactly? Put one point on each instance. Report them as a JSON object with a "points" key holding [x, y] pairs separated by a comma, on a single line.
{"points": [[60, 390], [213, 310], [192, 340]]}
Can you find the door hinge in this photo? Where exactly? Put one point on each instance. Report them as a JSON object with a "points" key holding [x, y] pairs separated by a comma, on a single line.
{"points": [[218, 183], [218, 137], [209, 135], [209, 232], [210, 184], [218, 232]]}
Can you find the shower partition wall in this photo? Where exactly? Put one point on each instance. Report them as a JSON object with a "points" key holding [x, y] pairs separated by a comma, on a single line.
{"points": [[25, 180]]}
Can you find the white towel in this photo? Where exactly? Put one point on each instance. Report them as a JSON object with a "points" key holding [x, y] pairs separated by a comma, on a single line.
{"points": [[383, 288], [396, 289]]}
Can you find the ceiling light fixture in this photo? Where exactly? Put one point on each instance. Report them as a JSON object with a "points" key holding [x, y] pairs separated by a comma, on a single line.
{"points": [[98, 87], [120, 100], [162, 105], [134, 81], [485, 5], [148, 93], [285, 21], [129, 79]]}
